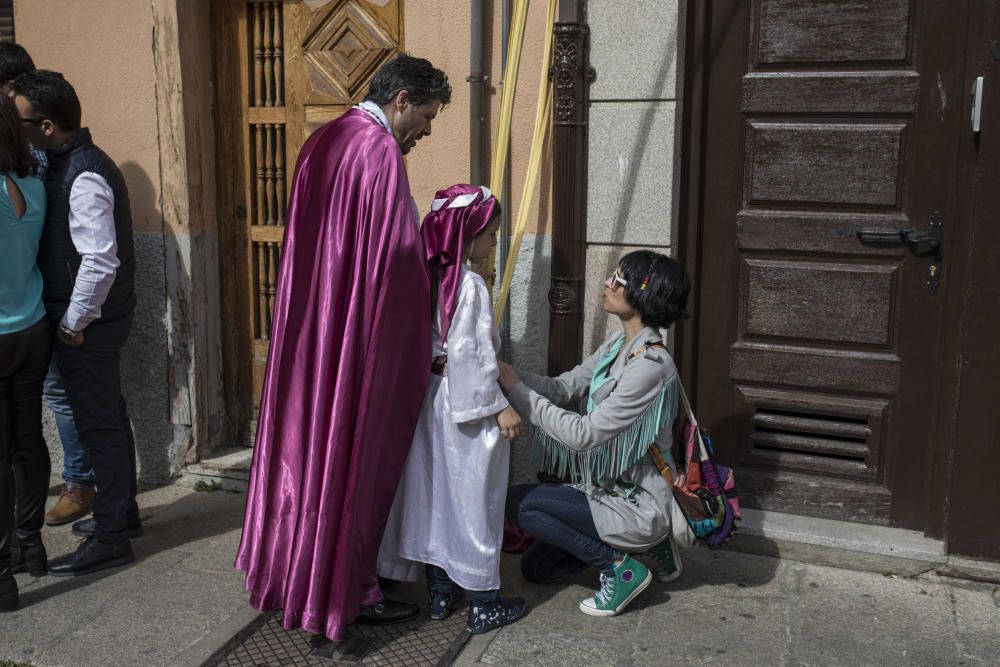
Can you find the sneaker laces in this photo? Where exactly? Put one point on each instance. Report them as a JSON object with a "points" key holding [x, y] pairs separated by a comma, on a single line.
{"points": [[607, 590], [660, 561]]}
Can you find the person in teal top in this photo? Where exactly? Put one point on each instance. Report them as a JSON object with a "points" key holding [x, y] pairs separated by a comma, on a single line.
{"points": [[25, 349], [20, 280]]}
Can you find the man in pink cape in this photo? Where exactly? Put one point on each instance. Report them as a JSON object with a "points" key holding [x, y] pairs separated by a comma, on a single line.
{"points": [[348, 365]]}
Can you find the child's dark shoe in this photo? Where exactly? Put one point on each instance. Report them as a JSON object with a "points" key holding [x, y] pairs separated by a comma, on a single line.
{"points": [[442, 604], [495, 615]]}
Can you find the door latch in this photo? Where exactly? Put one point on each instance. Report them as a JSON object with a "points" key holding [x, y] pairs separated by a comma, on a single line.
{"points": [[932, 240], [936, 235]]}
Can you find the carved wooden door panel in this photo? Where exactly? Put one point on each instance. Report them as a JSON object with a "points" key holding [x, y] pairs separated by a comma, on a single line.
{"points": [[818, 349], [284, 68]]}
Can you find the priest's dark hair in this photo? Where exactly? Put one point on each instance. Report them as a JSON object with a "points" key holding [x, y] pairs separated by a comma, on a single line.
{"points": [[416, 76], [51, 97], [14, 61], [663, 301]]}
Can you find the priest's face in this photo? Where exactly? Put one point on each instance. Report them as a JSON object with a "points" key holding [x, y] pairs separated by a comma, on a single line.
{"points": [[411, 122]]}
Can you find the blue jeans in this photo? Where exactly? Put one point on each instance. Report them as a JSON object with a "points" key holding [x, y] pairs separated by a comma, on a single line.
{"points": [[439, 579], [559, 518], [76, 459]]}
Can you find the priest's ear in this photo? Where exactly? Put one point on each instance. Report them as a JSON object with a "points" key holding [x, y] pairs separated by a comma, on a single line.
{"points": [[402, 100]]}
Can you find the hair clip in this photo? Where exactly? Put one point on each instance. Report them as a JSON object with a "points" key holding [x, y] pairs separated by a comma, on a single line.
{"points": [[645, 281]]}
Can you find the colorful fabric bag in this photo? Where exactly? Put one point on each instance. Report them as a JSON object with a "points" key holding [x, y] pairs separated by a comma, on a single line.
{"points": [[704, 490]]}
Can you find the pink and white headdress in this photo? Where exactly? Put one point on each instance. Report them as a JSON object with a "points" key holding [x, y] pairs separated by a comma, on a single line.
{"points": [[458, 214]]}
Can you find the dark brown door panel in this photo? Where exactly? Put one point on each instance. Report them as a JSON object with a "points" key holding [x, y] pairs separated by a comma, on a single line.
{"points": [[825, 119]]}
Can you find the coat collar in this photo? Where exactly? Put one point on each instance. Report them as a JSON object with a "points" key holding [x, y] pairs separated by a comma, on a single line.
{"points": [[79, 139]]}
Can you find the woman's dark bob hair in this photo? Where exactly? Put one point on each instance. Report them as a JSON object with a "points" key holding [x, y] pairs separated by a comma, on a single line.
{"points": [[664, 299]]}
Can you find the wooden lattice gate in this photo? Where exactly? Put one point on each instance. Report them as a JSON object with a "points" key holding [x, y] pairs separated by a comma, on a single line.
{"points": [[282, 70]]}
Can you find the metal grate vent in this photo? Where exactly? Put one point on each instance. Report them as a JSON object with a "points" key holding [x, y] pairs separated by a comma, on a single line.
{"points": [[808, 433], [836, 445]]}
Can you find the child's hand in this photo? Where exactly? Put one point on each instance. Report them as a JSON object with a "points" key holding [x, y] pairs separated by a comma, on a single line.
{"points": [[510, 423]]}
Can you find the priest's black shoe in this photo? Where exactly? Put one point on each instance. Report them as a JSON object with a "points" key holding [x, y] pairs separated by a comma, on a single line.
{"points": [[86, 527], [387, 612], [8, 593], [8, 587], [92, 556], [30, 558]]}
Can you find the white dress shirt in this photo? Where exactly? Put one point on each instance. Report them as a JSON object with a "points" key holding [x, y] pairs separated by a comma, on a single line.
{"points": [[92, 229]]}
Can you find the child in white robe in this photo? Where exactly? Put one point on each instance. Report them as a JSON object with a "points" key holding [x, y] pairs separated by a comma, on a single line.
{"points": [[449, 508]]}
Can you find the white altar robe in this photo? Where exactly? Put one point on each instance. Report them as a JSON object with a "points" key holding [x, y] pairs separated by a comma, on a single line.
{"points": [[449, 507]]}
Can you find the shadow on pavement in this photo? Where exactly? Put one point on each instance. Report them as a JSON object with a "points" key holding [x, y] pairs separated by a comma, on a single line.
{"points": [[190, 518]]}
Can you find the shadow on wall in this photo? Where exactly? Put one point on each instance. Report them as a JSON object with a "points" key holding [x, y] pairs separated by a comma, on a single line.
{"points": [[144, 359], [529, 302], [529, 308], [629, 181]]}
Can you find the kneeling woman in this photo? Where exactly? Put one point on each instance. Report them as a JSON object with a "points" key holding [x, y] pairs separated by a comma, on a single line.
{"points": [[618, 502]]}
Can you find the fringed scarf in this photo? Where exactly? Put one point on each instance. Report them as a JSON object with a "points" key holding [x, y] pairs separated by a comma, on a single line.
{"points": [[609, 460]]}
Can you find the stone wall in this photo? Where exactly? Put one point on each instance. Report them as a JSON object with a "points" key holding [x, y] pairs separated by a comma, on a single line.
{"points": [[634, 140]]}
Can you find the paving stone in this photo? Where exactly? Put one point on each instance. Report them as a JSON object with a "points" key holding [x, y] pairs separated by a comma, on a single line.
{"points": [[148, 627], [977, 617], [842, 617], [517, 646]]}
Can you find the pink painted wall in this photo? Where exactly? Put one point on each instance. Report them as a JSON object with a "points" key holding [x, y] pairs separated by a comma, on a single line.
{"points": [[439, 30], [105, 50]]}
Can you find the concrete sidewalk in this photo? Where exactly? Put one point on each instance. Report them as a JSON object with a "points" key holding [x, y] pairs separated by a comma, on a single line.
{"points": [[182, 600], [181, 589]]}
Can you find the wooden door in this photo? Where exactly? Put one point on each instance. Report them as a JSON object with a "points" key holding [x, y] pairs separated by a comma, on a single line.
{"points": [[818, 352], [283, 68], [973, 524]]}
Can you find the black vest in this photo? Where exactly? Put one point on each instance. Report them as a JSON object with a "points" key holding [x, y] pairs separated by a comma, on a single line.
{"points": [[57, 256]]}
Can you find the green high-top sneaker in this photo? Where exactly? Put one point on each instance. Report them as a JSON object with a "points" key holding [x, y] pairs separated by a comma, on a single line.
{"points": [[628, 579], [667, 559]]}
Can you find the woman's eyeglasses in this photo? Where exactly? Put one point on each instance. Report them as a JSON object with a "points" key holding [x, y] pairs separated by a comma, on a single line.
{"points": [[616, 279]]}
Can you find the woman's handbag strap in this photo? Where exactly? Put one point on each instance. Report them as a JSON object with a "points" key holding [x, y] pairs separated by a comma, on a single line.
{"points": [[654, 450], [661, 464]]}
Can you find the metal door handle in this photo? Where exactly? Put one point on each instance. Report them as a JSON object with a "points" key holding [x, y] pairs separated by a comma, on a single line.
{"points": [[932, 238], [876, 235]]}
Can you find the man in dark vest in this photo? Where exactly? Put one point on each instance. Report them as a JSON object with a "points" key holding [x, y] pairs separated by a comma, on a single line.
{"points": [[87, 262]]}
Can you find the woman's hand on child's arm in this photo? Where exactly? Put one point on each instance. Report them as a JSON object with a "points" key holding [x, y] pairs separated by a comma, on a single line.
{"points": [[510, 423], [508, 376]]}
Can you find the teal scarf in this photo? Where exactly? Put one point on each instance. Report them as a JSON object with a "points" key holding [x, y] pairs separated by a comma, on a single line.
{"points": [[609, 460]]}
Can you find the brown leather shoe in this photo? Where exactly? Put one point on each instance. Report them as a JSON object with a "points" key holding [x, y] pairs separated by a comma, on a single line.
{"points": [[74, 503]]}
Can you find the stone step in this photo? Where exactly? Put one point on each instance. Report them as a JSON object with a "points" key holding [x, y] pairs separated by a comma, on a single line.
{"points": [[855, 546], [228, 470]]}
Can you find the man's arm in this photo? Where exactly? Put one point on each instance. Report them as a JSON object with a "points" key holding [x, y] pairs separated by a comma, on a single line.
{"points": [[92, 228]]}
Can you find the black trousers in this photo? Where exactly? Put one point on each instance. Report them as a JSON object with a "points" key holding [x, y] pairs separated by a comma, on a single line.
{"points": [[92, 378], [24, 458]]}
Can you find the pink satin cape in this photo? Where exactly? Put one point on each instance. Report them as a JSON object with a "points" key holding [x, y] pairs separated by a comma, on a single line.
{"points": [[346, 374]]}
